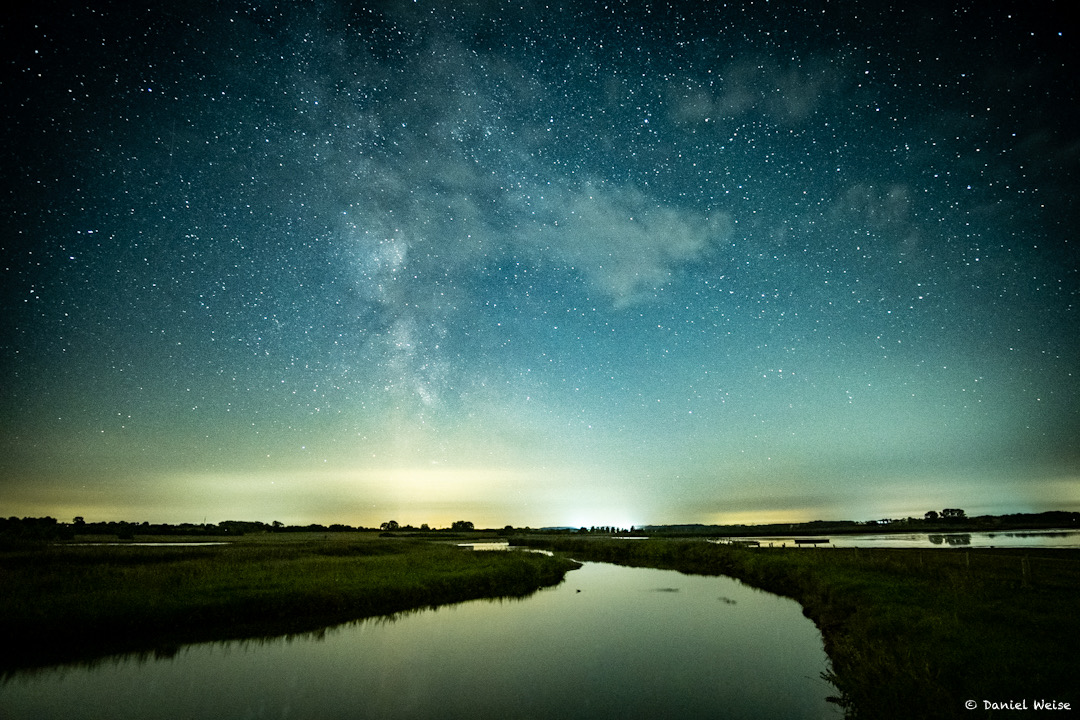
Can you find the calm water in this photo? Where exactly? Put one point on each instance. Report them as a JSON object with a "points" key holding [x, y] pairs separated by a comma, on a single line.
{"points": [[610, 642], [1010, 539]]}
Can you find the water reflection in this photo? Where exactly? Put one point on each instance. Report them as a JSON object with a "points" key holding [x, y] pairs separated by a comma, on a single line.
{"points": [[957, 539], [1015, 538], [503, 546], [486, 546], [609, 642], [124, 544]]}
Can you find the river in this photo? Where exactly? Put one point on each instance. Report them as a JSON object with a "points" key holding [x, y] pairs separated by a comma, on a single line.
{"points": [[609, 642]]}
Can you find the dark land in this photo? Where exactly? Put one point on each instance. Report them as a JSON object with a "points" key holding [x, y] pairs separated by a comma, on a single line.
{"points": [[15, 531], [74, 602], [909, 633], [955, 521]]}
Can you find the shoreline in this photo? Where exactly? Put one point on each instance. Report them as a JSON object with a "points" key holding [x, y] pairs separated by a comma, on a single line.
{"points": [[909, 633], [75, 604]]}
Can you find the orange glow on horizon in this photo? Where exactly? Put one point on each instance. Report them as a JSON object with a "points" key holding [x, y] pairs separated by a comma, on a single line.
{"points": [[763, 517]]}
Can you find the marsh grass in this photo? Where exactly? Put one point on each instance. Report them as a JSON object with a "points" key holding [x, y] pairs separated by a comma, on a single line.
{"points": [[909, 633], [66, 602]]}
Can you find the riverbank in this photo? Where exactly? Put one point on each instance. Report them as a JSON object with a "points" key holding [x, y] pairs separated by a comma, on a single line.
{"points": [[64, 603], [909, 633]]}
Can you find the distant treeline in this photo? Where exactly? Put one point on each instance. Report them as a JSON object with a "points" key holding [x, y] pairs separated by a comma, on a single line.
{"points": [[49, 528], [17, 530], [28, 529], [949, 520]]}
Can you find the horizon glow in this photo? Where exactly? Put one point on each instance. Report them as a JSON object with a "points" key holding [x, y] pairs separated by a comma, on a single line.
{"points": [[539, 266]]}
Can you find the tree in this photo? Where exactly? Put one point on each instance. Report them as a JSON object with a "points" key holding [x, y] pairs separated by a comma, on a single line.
{"points": [[390, 525], [932, 515], [953, 514], [462, 525]]}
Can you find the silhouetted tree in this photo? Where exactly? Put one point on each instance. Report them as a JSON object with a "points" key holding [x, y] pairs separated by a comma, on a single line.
{"points": [[390, 525], [953, 514], [462, 525], [931, 515], [32, 530]]}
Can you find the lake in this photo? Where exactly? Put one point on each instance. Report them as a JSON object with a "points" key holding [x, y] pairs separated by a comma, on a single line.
{"points": [[609, 642], [1001, 539]]}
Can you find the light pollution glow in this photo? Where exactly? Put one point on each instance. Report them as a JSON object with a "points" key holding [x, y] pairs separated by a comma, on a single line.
{"points": [[539, 266]]}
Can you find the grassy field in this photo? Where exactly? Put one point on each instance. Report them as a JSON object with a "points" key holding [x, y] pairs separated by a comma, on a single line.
{"points": [[910, 633], [69, 602]]}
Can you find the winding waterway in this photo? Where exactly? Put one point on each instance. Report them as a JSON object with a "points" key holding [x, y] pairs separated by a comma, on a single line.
{"points": [[609, 642]]}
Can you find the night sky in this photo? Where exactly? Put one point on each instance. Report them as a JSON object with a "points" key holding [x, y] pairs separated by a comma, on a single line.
{"points": [[572, 264]]}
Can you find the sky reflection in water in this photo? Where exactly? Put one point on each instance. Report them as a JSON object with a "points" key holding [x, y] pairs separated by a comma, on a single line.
{"points": [[609, 642]]}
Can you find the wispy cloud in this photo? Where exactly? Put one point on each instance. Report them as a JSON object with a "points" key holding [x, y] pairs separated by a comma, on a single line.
{"points": [[627, 243], [787, 94]]}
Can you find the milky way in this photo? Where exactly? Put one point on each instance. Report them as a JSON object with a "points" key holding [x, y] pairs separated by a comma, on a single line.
{"points": [[540, 265]]}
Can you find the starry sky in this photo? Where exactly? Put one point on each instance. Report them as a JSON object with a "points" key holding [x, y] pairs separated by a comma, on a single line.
{"points": [[576, 263]]}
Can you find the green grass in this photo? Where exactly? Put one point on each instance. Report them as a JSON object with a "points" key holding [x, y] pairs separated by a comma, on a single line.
{"points": [[62, 603], [909, 633]]}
